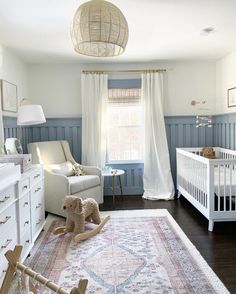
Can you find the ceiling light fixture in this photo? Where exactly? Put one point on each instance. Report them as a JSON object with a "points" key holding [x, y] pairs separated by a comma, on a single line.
{"points": [[99, 29]]}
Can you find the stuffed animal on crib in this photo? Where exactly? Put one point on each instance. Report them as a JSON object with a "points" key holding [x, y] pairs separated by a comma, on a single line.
{"points": [[78, 211], [208, 152]]}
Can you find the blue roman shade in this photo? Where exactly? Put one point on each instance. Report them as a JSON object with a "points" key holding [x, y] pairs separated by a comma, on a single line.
{"points": [[124, 84]]}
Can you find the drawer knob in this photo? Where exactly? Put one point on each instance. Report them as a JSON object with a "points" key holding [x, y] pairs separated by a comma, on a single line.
{"points": [[26, 223], [39, 221], [5, 199], [36, 176], [4, 221], [39, 205], [38, 189], [6, 244], [25, 187], [27, 241], [26, 203]]}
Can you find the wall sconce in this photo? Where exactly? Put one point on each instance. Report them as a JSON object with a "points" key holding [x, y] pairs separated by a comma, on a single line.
{"points": [[29, 114]]}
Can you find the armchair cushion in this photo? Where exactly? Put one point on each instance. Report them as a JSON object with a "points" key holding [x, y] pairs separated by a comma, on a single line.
{"points": [[47, 152], [65, 168], [78, 184]]}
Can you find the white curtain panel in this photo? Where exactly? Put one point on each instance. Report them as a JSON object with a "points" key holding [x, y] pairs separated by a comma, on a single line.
{"points": [[94, 97], [1, 131], [157, 178]]}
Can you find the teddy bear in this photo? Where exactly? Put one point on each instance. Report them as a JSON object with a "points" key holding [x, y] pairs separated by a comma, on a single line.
{"points": [[78, 211], [208, 152]]}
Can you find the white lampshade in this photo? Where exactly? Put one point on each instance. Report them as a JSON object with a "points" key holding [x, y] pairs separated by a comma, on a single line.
{"points": [[30, 115]]}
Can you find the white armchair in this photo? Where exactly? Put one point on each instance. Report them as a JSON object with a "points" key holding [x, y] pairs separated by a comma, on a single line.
{"points": [[59, 180]]}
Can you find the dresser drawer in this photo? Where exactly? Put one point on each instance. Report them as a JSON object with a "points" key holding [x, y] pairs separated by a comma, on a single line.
{"points": [[36, 176], [3, 268], [37, 198], [37, 223], [24, 186], [37, 208], [26, 243], [37, 189], [7, 196], [8, 223], [24, 214], [7, 242]]}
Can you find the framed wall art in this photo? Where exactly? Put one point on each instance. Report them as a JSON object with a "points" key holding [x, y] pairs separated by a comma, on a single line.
{"points": [[9, 96], [232, 97]]}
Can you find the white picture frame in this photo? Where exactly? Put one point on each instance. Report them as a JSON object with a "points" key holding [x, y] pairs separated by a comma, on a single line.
{"points": [[9, 96], [232, 97]]}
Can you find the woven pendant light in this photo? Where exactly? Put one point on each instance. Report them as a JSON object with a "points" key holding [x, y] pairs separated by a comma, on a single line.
{"points": [[99, 29]]}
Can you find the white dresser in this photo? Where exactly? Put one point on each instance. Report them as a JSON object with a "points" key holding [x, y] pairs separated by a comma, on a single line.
{"points": [[22, 212], [9, 177], [30, 207]]}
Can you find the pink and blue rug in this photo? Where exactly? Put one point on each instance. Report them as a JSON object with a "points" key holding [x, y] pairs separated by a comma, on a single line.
{"points": [[137, 252]]}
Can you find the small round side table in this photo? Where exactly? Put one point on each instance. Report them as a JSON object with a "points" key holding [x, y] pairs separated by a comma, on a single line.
{"points": [[114, 173]]}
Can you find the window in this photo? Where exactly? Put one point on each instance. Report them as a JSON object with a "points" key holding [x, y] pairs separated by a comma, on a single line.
{"points": [[125, 128]]}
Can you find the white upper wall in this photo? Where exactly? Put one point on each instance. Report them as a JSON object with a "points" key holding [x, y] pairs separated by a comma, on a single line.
{"points": [[15, 71], [225, 79], [57, 86]]}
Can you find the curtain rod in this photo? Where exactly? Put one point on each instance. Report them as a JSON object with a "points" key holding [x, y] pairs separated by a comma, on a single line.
{"points": [[124, 71]]}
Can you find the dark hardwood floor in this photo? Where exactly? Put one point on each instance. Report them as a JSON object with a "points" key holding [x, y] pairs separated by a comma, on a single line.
{"points": [[218, 247]]}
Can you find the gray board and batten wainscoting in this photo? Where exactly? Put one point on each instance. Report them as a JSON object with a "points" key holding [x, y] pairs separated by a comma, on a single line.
{"points": [[181, 132]]}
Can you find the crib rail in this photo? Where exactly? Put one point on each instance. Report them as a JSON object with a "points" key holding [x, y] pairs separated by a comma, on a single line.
{"points": [[209, 184], [191, 169], [220, 153]]}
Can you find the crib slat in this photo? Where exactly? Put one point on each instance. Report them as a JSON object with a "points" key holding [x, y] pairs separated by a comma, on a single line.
{"points": [[224, 208], [230, 187], [218, 199]]}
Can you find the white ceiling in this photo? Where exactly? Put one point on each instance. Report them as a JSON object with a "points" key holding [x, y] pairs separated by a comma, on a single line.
{"points": [[39, 31]]}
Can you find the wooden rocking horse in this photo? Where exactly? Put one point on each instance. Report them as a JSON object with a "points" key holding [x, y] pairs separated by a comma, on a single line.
{"points": [[78, 212]]}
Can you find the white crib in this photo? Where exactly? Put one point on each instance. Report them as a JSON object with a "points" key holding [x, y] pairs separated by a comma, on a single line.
{"points": [[209, 184]]}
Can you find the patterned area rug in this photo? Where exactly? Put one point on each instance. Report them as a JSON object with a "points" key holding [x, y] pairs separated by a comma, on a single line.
{"points": [[142, 251]]}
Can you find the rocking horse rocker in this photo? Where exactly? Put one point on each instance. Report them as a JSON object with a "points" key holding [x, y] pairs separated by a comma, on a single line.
{"points": [[78, 212]]}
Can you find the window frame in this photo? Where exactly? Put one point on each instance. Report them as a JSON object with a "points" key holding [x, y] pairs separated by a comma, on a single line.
{"points": [[123, 84]]}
